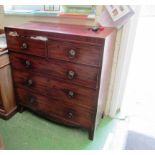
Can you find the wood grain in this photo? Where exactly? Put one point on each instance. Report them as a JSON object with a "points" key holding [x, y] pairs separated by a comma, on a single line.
{"points": [[75, 33], [72, 113], [84, 75], [8, 105], [66, 78], [53, 89], [16, 43], [84, 54]]}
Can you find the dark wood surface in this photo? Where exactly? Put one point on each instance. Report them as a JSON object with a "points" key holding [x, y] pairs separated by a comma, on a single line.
{"points": [[27, 46], [75, 95], [62, 73], [64, 29], [1, 102], [76, 53], [75, 33], [55, 107], [83, 75]]}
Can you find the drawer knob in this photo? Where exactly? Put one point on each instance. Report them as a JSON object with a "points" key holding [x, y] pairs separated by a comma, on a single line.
{"points": [[24, 46], [71, 53], [29, 83], [71, 94], [71, 75], [27, 64], [70, 115]]}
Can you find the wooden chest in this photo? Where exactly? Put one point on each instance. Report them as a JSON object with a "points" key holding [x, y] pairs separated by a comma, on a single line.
{"points": [[62, 71], [7, 99]]}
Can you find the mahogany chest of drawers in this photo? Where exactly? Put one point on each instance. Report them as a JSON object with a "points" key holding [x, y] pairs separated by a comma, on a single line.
{"points": [[62, 71]]}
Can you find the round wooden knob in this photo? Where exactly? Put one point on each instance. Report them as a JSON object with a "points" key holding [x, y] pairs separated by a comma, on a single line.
{"points": [[24, 46], [29, 83], [71, 75], [27, 64], [72, 53], [71, 94], [70, 115]]}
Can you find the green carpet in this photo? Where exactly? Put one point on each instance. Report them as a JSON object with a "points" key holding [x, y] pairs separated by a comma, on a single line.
{"points": [[27, 131]]}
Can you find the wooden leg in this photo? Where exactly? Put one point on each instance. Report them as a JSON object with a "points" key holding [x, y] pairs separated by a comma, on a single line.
{"points": [[91, 134], [20, 108]]}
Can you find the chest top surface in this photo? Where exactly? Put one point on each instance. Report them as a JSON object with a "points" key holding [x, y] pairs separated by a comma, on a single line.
{"points": [[77, 30]]}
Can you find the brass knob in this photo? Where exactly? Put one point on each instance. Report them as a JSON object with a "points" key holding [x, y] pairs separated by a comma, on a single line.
{"points": [[24, 46], [71, 94], [71, 75], [70, 115], [27, 64], [29, 83], [71, 53]]}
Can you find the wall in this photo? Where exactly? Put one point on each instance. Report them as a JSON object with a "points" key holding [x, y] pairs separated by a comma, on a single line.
{"points": [[121, 63], [18, 19], [13, 19]]}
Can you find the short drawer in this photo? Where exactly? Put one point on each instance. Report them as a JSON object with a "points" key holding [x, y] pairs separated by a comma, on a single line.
{"points": [[73, 94], [74, 52], [69, 72], [54, 108], [24, 44]]}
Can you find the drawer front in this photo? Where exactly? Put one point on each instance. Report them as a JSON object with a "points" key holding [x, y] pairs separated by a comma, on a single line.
{"points": [[69, 93], [72, 73], [75, 95], [50, 108], [30, 82], [27, 45], [74, 52]]}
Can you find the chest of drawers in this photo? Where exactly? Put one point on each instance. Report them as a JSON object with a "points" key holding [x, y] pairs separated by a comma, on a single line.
{"points": [[62, 71]]}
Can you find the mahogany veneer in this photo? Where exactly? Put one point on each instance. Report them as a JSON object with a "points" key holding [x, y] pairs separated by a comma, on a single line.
{"points": [[61, 71]]}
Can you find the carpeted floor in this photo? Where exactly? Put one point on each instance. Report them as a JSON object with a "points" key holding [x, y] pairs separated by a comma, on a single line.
{"points": [[138, 141], [28, 131]]}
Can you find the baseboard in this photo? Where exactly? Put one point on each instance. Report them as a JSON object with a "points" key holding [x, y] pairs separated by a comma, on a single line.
{"points": [[9, 114]]}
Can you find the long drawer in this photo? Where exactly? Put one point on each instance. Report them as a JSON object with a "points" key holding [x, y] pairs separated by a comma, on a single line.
{"points": [[72, 115], [75, 95], [69, 72], [74, 52]]}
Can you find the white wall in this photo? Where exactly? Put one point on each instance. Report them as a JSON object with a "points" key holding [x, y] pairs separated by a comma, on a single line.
{"points": [[121, 63], [18, 19], [6, 20]]}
